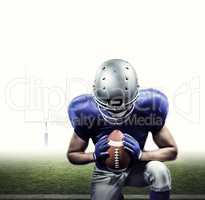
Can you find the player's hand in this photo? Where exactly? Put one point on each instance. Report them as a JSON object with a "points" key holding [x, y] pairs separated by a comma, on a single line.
{"points": [[132, 146], [101, 148]]}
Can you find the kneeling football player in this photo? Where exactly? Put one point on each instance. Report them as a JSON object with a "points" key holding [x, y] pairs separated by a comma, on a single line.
{"points": [[117, 103]]}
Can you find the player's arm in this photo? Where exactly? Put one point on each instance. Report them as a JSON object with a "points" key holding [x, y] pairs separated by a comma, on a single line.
{"points": [[167, 147], [76, 151]]}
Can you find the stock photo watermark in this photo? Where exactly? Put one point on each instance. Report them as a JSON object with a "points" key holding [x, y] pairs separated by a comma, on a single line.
{"points": [[42, 103]]}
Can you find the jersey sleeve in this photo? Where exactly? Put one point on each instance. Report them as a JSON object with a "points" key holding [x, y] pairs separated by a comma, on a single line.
{"points": [[78, 122], [159, 111]]}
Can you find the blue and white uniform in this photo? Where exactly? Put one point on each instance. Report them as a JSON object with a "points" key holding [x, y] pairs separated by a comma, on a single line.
{"points": [[148, 114]]}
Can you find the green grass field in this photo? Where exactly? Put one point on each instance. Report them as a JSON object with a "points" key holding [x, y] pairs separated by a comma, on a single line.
{"points": [[49, 174]]}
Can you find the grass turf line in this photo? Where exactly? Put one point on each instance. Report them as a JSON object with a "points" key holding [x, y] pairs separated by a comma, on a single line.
{"points": [[55, 175]]}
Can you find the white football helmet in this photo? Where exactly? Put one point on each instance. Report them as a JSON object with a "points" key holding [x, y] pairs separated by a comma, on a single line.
{"points": [[115, 90]]}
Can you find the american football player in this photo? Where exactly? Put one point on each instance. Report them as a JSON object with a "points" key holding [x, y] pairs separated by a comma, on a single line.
{"points": [[118, 102]]}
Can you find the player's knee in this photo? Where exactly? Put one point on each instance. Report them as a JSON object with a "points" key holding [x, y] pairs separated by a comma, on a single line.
{"points": [[158, 176]]}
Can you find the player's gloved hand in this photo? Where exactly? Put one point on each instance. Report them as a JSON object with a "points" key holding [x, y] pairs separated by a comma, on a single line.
{"points": [[101, 148], [132, 146]]}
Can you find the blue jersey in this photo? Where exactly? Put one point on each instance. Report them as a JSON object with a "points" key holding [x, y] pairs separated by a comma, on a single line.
{"points": [[149, 115]]}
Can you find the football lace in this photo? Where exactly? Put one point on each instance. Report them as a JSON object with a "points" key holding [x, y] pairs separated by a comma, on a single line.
{"points": [[117, 158]]}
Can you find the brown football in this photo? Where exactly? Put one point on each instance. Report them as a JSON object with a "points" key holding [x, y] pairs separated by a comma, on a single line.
{"points": [[118, 159]]}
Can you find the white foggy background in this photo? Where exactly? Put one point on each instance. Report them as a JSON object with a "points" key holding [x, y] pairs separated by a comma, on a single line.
{"points": [[49, 51]]}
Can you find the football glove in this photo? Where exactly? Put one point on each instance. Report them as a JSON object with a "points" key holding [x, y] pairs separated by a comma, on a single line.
{"points": [[101, 153], [132, 146]]}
